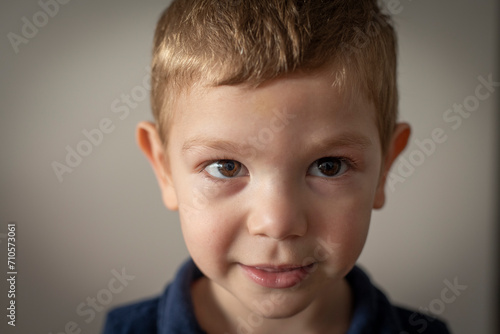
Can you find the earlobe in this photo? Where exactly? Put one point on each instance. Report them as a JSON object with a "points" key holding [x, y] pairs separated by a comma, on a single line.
{"points": [[396, 146], [150, 143]]}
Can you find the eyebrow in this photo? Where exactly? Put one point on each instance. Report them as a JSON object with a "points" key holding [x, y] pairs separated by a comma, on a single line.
{"points": [[350, 140], [213, 143]]}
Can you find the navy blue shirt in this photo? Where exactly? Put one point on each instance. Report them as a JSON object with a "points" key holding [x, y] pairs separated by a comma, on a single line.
{"points": [[173, 311]]}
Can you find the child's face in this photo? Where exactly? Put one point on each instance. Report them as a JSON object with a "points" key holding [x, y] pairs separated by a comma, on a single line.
{"points": [[275, 188]]}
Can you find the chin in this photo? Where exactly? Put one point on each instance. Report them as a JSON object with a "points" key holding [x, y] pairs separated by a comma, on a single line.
{"points": [[279, 304]]}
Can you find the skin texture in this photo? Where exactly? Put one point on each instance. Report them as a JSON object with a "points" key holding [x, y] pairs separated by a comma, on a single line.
{"points": [[280, 208]]}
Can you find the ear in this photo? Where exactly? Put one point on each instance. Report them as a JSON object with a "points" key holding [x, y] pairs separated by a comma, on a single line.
{"points": [[396, 146], [150, 143]]}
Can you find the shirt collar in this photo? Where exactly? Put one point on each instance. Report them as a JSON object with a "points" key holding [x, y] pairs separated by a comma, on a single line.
{"points": [[176, 311], [372, 310]]}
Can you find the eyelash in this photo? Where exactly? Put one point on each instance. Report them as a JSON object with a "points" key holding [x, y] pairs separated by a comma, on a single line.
{"points": [[352, 165], [205, 164]]}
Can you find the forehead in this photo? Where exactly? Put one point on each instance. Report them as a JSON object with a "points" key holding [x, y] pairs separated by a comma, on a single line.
{"points": [[314, 104]]}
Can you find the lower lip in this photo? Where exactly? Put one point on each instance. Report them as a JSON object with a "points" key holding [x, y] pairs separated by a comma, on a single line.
{"points": [[277, 279]]}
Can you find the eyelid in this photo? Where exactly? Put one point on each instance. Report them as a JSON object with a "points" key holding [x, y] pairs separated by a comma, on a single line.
{"points": [[350, 166], [204, 166], [201, 165]]}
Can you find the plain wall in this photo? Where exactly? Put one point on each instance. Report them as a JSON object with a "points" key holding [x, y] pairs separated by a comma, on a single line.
{"points": [[107, 214]]}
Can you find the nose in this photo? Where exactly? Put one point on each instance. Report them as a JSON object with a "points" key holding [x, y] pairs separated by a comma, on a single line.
{"points": [[277, 211]]}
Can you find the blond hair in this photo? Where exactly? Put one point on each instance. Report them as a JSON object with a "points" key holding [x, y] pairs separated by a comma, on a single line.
{"points": [[232, 42]]}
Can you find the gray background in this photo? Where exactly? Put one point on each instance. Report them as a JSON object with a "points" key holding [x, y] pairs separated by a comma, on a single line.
{"points": [[107, 213]]}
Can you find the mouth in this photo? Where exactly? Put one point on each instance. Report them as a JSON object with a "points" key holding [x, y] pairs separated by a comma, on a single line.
{"points": [[277, 277]]}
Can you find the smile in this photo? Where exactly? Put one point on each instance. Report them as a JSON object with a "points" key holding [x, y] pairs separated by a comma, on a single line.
{"points": [[277, 277]]}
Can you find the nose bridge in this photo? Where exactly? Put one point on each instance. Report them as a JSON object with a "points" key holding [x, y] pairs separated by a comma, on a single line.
{"points": [[277, 209]]}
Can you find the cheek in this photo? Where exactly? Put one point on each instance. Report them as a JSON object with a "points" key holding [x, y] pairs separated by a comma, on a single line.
{"points": [[354, 231], [208, 234], [345, 227]]}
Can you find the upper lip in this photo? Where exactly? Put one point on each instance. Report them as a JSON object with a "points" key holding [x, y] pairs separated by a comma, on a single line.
{"points": [[278, 268]]}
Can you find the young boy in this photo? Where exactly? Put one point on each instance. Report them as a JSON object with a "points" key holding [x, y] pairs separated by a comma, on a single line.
{"points": [[275, 131]]}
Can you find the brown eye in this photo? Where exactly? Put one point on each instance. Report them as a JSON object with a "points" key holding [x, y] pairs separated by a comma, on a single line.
{"points": [[328, 167], [229, 168], [224, 169]]}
